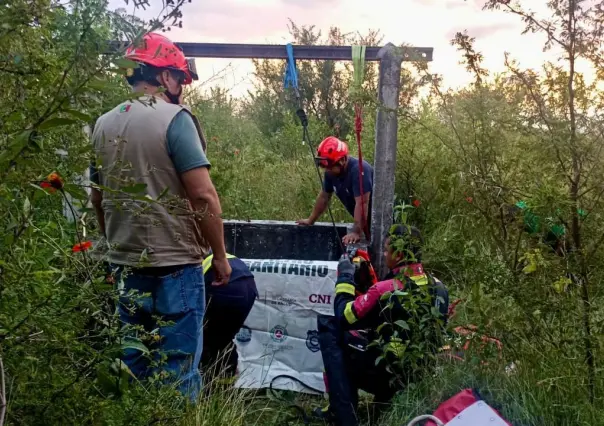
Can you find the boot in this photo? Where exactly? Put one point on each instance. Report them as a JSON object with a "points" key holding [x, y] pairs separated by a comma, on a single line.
{"points": [[324, 414]]}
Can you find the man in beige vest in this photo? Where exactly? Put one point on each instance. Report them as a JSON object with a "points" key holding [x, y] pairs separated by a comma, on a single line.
{"points": [[159, 211]]}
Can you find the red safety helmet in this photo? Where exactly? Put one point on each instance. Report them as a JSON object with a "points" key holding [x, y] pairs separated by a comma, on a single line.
{"points": [[330, 151], [160, 52]]}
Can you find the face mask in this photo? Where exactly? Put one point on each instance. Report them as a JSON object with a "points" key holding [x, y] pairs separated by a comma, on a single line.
{"points": [[174, 99]]}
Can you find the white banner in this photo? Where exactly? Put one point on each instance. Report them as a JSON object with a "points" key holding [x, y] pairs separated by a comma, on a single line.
{"points": [[280, 334]]}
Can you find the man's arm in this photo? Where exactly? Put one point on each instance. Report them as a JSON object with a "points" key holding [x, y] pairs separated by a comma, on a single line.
{"points": [[186, 151], [349, 310], [320, 206], [361, 197], [204, 198], [323, 199], [96, 198], [361, 218]]}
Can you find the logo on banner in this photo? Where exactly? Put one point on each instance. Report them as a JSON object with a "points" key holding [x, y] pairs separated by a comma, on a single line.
{"points": [[312, 340], [279, 333], [244, 335], [281, 301], [323, 299]]}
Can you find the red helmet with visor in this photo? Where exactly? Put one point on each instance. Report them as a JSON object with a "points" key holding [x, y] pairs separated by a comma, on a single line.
{"points": [[158, 51], [330, 151]]}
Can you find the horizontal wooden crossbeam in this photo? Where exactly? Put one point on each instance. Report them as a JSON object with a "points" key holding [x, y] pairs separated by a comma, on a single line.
{"points": [[276, 51]]}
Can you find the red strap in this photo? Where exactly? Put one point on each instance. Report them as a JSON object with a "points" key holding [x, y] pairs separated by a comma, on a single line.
{"points": [[358, 125], [451, 312]]}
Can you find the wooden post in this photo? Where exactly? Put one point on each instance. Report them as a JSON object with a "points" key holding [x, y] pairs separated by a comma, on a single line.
{"points": [[386, 132]]}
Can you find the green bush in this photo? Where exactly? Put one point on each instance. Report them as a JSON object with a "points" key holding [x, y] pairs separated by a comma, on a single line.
{"points": [[464, 156]]}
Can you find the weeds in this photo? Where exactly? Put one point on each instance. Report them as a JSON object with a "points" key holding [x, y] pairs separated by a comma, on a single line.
{"points": [[464, 157]]}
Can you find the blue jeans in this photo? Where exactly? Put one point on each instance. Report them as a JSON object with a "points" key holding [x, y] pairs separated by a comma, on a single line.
{"points": [[179, 299]]}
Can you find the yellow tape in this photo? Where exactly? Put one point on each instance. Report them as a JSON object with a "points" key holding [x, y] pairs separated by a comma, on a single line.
{"points": [[345, 288], [207, 262], [420, 279], [349, 313]]}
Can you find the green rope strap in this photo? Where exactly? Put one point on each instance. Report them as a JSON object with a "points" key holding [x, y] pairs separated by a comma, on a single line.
{"points": [[358, 64]]}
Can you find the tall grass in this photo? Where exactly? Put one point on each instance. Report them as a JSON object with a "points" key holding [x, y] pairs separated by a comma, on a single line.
{"points": [[273, 177]]}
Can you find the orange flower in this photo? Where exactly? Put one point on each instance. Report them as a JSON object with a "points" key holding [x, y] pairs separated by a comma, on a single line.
{"points": [[237, 152], [416, 203], [81, 246], [469, 199], [47, 186], [55, 180]]}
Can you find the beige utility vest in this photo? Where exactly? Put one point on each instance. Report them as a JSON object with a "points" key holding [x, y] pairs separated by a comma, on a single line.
{"points": [[131, 146]]}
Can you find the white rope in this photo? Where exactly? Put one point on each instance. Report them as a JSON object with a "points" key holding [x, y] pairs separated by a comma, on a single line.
{"points": [[418, 419]]}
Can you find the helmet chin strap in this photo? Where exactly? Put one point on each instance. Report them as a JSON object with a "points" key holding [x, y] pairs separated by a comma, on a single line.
{"points": [[174, 99]]}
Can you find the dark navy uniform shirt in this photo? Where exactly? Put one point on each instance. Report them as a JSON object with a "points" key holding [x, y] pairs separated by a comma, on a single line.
{"points": [[347, 187], [239, 269]]}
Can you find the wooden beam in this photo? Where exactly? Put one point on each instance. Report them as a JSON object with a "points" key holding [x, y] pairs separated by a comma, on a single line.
{"points": [[384, 165], [276, 51]]}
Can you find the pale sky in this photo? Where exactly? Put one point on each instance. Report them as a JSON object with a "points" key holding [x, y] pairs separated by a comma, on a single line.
{"points": [[426, 23]]}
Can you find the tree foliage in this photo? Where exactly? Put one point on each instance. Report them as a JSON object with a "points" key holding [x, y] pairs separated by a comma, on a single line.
{"points": [[466, 157], [59, 336], [324, 85]]}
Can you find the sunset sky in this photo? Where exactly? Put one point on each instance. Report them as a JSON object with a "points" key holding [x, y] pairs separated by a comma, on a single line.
{"points": [[427, 23]]}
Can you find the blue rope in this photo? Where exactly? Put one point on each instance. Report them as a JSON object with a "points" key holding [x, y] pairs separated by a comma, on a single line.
{"points": [[291, 75]]}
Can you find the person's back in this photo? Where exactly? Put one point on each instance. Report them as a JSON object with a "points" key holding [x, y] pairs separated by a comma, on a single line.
{"points": [[227, 309], [240, 270], [131, 142]]}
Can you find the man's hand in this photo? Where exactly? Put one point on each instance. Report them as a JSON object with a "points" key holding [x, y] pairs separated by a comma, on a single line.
{"points": [[305, 222], [351, 238], [222, 271]]}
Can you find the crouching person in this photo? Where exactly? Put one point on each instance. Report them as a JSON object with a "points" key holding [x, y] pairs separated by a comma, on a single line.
{"points": [[227, 308], [405, 296]]}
